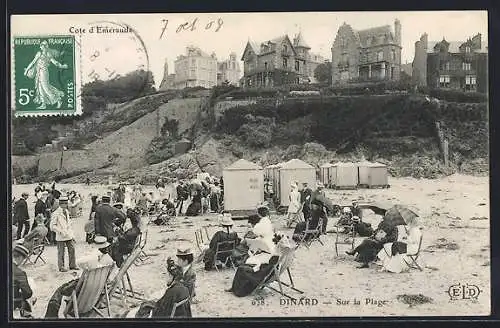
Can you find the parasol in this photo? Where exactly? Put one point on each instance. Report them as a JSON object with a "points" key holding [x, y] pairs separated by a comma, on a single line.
{"points": [[399, 215], [379, 208], [324, 200]]}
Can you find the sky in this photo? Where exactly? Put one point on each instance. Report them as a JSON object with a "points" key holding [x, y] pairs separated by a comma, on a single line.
{"points": [[119, 52]]}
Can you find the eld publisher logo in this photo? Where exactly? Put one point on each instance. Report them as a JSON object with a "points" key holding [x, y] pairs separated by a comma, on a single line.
{"points": [[464, 292]]}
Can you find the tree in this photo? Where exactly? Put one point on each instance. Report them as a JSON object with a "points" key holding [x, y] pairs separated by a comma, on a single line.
{"points": [[323, 73]]}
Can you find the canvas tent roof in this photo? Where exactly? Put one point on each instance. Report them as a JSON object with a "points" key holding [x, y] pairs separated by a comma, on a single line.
{"points": [[365, 163], [243, 164], [344, 164], [296, 164], [327, 165], [377, 164]]}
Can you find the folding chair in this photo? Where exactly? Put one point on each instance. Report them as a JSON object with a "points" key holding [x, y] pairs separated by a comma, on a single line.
{"points": [[311, 235], [177, 305], [140, 243], [347, 238], [278, 269], [224, 249], [412, 258], [89, 293], [202, 237], [296, 217], [117, 286], [37, 252]]}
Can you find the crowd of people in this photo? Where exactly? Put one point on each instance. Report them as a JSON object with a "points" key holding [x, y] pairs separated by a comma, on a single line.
{"points": [[115, 222]]}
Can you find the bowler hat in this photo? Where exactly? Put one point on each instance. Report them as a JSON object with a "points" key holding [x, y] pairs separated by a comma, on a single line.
{"points": [[21, 250], [101, 242], [105, 198], [118, 204], [184, 252], [63, 200]]}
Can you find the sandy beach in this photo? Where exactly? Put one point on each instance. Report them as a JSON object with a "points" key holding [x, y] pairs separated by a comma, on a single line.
{"points": [[454, 212]]}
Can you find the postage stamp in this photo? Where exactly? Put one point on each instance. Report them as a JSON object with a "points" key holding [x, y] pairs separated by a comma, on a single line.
{"points": [[300, 164], [45, 76]]}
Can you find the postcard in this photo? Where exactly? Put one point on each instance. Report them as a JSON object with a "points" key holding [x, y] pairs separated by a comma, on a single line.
{"points": [[239, 165]]}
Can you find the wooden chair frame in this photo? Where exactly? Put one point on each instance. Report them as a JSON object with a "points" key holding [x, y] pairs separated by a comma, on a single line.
{"points": [[228, 252], [296, 217], [274, 275], [100, 292], [37, 251], [314, 234], [349, 238], [176, 305], [413, 264], [200, 238]]}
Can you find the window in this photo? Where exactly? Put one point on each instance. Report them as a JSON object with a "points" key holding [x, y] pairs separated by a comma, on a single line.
{"points": [[265, 66], [285, 62], [393, 55], [444, 81], [470, 79], [466, 66], [467, 50], [285, 48], [343, 42], [297, 65], [380, 56], [445, 66]]}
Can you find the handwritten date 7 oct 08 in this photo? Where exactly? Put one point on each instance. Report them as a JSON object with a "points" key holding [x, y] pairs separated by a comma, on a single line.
{"points": [[214, 25]]}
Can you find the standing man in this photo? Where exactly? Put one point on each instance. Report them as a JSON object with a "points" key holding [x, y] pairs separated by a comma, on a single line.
{"points": [[305, 199], [40, 207], [21, 216], [105, 216], [61, 225], [182, 196]]}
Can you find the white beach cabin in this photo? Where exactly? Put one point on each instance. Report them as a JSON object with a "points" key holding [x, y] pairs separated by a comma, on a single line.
{"points": [[295, 170], [346, 175], [243, 186], [324, 174]]}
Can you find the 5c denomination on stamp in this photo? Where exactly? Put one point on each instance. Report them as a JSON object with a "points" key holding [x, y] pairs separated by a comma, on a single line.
{"points": [[45, 76]]}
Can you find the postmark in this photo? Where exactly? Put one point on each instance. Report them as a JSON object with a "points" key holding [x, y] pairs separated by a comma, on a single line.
{"points": [[45, 76]]}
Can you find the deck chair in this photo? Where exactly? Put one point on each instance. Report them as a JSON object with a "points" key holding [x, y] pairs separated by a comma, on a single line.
{"points": [[121, 285], [202, 237], [89, 293], [278, 269], [345, 238], [177, 305], [140, 242], [226, 249], [411, 259], [296, 217], [36, 252], [311, 235]]}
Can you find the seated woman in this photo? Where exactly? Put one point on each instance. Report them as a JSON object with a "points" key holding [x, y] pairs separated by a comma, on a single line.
{"points": [[185, 259], [259, 239], [167, 210], [218, 237], [317, 214], [367, 251], [125, 241], [194, 208], [250, 275], [393, 255], [163, 307]]}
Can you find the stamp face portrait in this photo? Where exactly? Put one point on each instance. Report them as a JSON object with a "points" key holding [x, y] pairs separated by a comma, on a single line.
{"points": [[45, 75]]}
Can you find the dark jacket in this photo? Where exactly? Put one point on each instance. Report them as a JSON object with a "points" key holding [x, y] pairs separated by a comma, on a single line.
{"points": [[174, 294], [189, 280], [21, 211], [22, 290], [40, 207], [105, 216], [126, 241]]}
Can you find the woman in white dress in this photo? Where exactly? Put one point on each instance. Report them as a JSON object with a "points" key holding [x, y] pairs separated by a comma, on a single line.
{"points": [[394, 256], [294, 206], [45, 93]]}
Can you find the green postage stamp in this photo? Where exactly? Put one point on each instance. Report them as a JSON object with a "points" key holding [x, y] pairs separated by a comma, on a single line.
{"points": [[45, 75]]}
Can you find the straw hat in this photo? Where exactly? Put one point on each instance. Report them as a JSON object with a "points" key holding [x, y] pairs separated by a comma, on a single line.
{"points": [[63, 200], [227, 221], [100, 242], [105, 198], [184, 251]]}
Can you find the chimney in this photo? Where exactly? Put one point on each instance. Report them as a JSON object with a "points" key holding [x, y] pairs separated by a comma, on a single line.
{"points": [[424, 41], [397, 31]]}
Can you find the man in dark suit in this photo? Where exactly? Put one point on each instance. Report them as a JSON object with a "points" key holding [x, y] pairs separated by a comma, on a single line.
{"points": [[21, 287], [105, 216], [125, 242], [21, 216], [305, 198], [40, 206]]}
